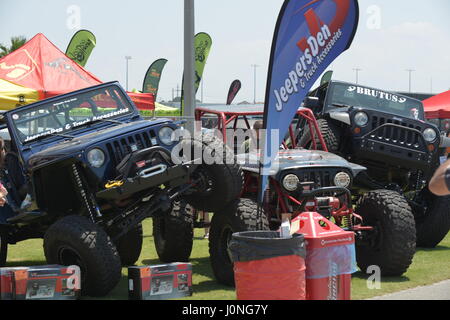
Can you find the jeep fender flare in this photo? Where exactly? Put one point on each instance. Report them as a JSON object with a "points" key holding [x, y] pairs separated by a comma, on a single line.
{"points": [[340, 116]]}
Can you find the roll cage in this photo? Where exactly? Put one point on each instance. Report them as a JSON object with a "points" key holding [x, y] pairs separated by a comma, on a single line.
{"points": [[223, 118]]}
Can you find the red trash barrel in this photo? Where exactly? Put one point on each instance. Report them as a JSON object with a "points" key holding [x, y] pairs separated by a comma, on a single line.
{"points": [[330, 257], [267, 267]]}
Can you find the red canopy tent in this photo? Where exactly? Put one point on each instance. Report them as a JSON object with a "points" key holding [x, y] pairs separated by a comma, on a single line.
{"points": [[41, 70], [438, 106]]}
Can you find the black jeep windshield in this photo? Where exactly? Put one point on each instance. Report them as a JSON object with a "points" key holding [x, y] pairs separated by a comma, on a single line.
{"points": [[70, 113], [353, 95]]}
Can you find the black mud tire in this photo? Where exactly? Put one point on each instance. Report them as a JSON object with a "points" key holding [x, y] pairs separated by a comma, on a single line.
{"points": [[433, 226], [240, 215], [173, 233], [223, 178], [3, 249], [331, 136], [394, 241], [75, 240], [129, 246]]}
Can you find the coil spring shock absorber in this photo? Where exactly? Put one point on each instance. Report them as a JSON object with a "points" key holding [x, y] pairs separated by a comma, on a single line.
{"points": [[347, 219], [347, 222], [87, 200]]}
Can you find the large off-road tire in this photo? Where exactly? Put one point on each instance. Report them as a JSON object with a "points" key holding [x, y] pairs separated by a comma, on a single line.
{"points": [[75, 240], [3, 249], [222, 178], [393, 241], [433, 225], [129, 246], [331, 135], [240, 215], [173, 233]]}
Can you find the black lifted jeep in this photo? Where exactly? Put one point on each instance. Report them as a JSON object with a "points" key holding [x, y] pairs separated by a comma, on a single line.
{"points": [[84, 169], [386, 133]]}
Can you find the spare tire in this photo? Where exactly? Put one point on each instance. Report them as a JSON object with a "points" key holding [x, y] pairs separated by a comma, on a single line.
{"points": [[220, 177], [75, 240]]}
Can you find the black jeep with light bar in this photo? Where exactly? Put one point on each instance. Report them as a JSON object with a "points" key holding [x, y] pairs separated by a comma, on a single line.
{"points": [[387, 133], [84, 169]]}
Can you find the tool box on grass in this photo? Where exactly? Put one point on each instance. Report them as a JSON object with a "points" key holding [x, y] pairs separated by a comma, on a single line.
{"points": [[160, 282], [49, 282]]}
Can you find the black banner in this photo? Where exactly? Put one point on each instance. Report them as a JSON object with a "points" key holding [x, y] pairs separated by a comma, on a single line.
{"points": [[234, 89]]}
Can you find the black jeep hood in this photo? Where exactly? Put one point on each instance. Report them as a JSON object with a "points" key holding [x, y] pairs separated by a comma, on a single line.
{"points": [[79, 144]]}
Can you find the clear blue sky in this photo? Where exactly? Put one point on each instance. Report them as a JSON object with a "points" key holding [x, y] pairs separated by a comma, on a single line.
{"points": [[392, 36]]}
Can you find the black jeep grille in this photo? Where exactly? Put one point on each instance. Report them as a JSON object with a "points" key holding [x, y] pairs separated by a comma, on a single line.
{"points": [[395, 134], [119, 148], [320, 177]]}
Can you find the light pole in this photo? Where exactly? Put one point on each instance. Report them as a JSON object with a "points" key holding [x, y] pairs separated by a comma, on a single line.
{"points": [[189, 64], [254, 66], [127, 58], [356, 71], [410, 71]]}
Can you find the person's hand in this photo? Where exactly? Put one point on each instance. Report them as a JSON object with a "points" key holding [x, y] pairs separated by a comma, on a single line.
{"points": [[3, 194]]}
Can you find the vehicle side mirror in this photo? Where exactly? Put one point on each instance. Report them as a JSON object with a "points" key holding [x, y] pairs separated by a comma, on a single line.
{"points": [[311, 103]]}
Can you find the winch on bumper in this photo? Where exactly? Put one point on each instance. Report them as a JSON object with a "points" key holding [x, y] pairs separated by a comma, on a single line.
{"points": [[146, 169]]}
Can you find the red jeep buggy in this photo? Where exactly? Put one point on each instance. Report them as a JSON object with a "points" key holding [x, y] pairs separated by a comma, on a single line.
{"points": [[384, 227]]}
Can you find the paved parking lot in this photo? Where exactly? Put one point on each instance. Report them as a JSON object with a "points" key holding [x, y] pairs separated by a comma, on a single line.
{"points": [[437, 291]]}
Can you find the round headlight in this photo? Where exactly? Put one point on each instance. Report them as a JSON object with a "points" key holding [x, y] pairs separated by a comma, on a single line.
{"points": [[429, 135], [167, 135], [290, 182], [361, 119], [342, 179], [96, 158]]}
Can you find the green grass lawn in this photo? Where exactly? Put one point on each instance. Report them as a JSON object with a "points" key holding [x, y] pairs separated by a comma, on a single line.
{"points": [[429, 266]]}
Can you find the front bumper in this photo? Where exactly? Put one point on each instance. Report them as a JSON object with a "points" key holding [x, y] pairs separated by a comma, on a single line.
{"points": [[162, 172], [395, 145], [172, 177]]}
